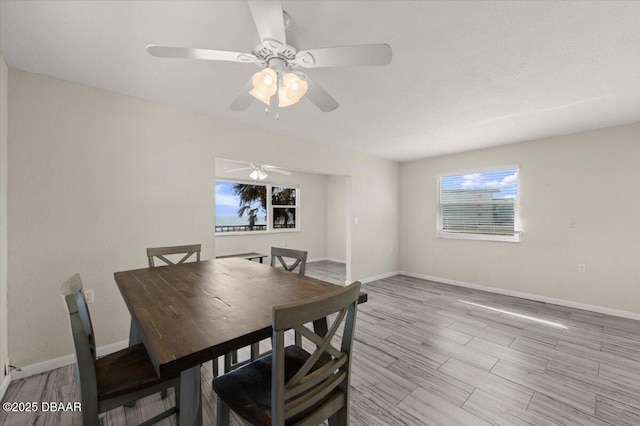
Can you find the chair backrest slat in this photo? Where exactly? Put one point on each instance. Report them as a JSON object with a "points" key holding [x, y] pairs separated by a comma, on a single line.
{"points": [[318, 377], [161, 252], [314, 396], [315, 377], [280, 254]]}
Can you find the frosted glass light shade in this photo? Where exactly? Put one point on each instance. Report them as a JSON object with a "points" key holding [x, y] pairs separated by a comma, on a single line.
{"points": [[265, 85], [295, 86], [258, 174], [283, 99]]}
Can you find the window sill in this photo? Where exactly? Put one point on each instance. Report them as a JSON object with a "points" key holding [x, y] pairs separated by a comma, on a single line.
{"points": [[275, 231], [480, 237]]}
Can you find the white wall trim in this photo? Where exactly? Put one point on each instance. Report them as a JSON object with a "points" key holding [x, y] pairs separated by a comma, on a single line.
{"points": [[322, 259], [4, 385], [529, 296], [52, 364], [379, 277]]}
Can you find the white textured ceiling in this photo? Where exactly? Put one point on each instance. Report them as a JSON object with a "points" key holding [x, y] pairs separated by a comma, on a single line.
{"points": [[464, 75]]}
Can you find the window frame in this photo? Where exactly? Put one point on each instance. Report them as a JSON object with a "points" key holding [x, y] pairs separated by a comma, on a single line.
{"points": [[515, 238], [270, 229]]}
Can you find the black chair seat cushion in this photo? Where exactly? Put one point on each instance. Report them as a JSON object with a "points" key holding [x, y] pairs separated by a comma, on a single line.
{"points": [[247, 390], [124, 372]]}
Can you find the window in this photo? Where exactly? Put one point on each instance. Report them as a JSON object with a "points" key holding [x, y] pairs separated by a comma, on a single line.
{"points": [[480, 205], [250, 207]]}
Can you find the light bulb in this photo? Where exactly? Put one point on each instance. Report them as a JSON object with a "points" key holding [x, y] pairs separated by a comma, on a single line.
{"points": [[283, 99], [294, 86]]}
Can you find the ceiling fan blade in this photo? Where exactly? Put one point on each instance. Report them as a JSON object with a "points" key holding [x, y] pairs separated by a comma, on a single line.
{"points": [[317, 95], [283, 172], [239, 170], [244, 99], [345, 56], [269, 19], [207, 54], [274, 169]]}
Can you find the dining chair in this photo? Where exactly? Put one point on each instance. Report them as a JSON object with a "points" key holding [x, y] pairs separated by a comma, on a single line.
{"points": [[284, 256], [161, 252], [113, 380], [299, 256], [292, 386]]}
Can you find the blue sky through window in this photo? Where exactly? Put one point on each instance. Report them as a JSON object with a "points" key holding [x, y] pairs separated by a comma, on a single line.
{"points": [[505, 182], [227, 203]]}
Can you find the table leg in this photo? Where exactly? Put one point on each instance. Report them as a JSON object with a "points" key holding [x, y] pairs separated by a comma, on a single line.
{"points": [[134, 334], [190, 397], [134, 339]]}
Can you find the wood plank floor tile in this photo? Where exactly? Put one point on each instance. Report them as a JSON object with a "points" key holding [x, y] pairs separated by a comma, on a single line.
{"points": [[508, 354], [511, 391], [443, 385], [549, 353], [562, 390], [561, 413], [434, 410], [617, 413], [478, 331], [497, 411], [598, 356]]}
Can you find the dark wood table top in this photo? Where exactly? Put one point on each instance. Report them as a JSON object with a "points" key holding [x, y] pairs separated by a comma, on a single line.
{"points": [[190, 313]]}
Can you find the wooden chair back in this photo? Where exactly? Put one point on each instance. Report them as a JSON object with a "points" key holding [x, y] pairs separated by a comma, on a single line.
{"points": [[83, 337], [312, 385], [299, 256], [161, 252]]}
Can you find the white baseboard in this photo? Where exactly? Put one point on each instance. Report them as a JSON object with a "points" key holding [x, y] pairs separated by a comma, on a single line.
{"points": [[529, 296], [379, 277], [330, 259], [52, 364], [4, 385]]}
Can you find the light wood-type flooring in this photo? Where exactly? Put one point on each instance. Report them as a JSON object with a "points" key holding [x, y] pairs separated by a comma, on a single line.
{"points": [[435, 354]]}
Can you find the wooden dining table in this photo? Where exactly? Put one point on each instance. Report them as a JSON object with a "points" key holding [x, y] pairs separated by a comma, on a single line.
{"points": [[191, 313]]}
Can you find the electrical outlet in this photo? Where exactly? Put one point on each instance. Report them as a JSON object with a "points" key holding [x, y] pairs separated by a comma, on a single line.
{"points": [[572, 223], [355, 220], [89, 296], [582, 268]]}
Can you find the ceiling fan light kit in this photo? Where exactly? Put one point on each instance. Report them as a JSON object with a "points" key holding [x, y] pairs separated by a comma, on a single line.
{"points": [[259, 172], [280, 61]]}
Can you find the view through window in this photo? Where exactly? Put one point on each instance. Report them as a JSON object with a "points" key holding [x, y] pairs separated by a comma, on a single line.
{"points": [[479, 205], [245, 207]]}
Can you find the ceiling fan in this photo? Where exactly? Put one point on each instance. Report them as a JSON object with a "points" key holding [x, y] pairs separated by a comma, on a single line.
{"points": [[259, 172], [281, 62]]}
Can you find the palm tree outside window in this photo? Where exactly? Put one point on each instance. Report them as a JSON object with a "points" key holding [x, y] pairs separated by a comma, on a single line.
{"points": [[243, 207]]}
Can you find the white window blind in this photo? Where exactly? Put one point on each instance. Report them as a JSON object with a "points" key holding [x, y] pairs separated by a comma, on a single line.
{"points": [[480, 205]]}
